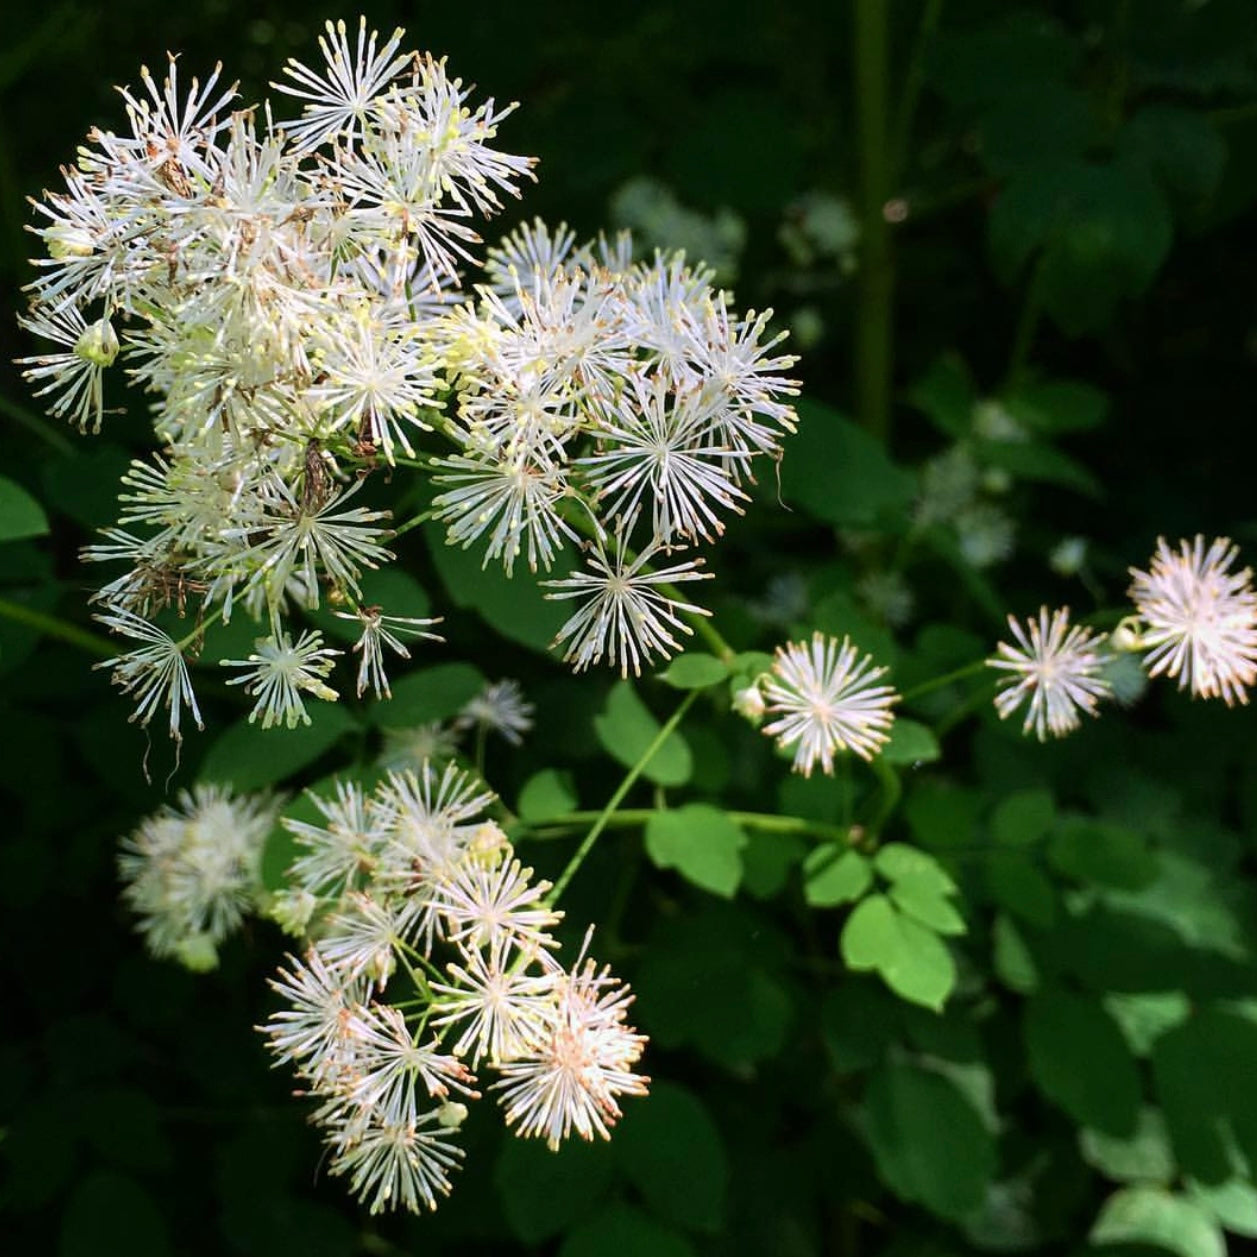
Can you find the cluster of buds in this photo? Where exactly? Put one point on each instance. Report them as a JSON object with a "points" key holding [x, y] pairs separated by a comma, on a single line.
{"points": [[293, 297], [431, 959]]}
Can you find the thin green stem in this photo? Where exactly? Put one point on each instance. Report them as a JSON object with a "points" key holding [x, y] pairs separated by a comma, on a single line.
{"points": [[976, 668], [636, 817], [604, 817], [62, 630], [873, 344], [892, 790]]}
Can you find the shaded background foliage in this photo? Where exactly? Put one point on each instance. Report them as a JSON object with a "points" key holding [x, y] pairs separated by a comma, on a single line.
{"points": [[1073, 217]]}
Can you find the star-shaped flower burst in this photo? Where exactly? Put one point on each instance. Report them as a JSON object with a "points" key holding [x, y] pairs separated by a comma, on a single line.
{"points": [[827, 698], [1201, 618], [1056, 667]]}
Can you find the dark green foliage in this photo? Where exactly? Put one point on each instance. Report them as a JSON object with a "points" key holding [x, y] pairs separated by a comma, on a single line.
{"points": [[983, 996]]}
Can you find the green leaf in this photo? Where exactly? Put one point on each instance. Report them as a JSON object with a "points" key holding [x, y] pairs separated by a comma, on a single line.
{"points": [[542, 1192], [1012, 960], [859, 1021], [920, 899], [546, 794], [1031, 460], [911, 743], [910, 957], [946, 395], [626, 729], [897, 861], [767, 861], [248, 757], [1023, 818], [622, 1231], [1181, 148], [1053, 407], [1144, 1017], [1203, 1071], [1018, 886], [985, 63], [840, 474], [1079, 1060], [701, 843], [941, 815], [516, 607], [427, 694], [833, 874], [1092, 850], [694, 671], [1150, 1215], [112, 1214], [20, 515], [1143, 1157], [1104, 231], [1036, 123], [930, 1144], [1233, 1204], [708, 979], [672, 1152]]}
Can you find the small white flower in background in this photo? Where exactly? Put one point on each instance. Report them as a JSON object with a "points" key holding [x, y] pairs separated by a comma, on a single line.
{"points": [[985, 534], [280, 671], [500, 707], [408, 748], [825, 698], [1068, 556], [193, 870], [1055, 667], [1200, 618]]}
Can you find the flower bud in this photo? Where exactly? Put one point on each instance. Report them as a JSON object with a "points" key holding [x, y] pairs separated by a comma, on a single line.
{"points": [[98, 344]]}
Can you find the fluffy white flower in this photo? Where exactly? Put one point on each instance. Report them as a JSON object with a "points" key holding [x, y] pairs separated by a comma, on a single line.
{"points": [[824, 697]]}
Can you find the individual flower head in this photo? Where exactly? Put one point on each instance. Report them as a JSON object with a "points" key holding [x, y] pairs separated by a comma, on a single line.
{"points": [[155, 673], [1056, 667], [193, 870], [1201, 618], [280, 672], [570, 1080], [500, 707], [627, 618], [76, 374], [378, 631], [825, 697]]}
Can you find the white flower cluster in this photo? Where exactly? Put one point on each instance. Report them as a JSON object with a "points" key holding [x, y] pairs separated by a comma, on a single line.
{"points": [[292, 296], [406, 888], [193, 870], [1195, 620]]}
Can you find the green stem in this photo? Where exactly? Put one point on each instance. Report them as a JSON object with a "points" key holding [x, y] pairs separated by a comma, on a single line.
{"points": [[63, 630], [873, 346], [892, 790], [636, 817], [948, 678], [604, 817]]}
